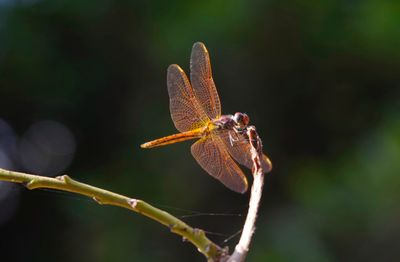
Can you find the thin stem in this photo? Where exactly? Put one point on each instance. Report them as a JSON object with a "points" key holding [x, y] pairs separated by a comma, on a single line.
{"points": [[64, 183], [249, 228], [242, 247]]}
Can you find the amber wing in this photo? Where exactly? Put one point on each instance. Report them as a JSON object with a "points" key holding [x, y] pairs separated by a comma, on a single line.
{"points": [[212, 156], [202, 81], [239, 148], [186, 111]]}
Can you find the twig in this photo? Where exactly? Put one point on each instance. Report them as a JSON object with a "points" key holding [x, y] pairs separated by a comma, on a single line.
{"points": [[196, 236], [242, 247]]}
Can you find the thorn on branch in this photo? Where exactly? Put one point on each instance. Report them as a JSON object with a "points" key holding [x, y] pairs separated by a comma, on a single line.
{"points": [[98, 200], [133, 202], [64, 178], [198, 232], [31, 184], [171, 227]]}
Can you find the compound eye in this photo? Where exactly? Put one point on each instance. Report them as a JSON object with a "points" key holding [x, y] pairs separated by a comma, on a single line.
{"points": [[241, 119], [237, 117], [245, 119]]}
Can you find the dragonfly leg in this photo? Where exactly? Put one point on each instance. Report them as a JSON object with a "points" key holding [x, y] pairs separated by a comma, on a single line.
{"points": [[232, 139]]}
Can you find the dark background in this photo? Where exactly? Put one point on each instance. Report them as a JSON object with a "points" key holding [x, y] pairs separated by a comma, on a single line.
{"points": [[83, 84]]}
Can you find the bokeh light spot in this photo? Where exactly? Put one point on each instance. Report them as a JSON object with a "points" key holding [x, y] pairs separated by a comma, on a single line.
{"points": [[47, 148]]}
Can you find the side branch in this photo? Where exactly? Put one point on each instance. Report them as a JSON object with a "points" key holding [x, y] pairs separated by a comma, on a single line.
{"points": [[64, 183]]}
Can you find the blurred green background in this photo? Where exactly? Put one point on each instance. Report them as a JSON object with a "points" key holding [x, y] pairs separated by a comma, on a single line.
{"points": [[83, 84]]}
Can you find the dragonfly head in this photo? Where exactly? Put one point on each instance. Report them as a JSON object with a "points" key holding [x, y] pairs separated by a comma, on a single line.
{"points": [[241, 120]]}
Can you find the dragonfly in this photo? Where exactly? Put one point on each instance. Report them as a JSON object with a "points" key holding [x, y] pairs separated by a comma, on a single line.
{"points": [[195, 109]]}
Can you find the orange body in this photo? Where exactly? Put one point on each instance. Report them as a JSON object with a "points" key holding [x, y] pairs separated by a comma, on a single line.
{"points": [[175, 138]]}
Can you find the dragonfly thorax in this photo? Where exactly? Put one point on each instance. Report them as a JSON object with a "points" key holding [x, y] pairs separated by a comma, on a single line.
{"points": [[237, 122]]}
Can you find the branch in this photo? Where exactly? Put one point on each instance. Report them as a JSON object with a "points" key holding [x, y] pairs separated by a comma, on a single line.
{"points": [[196, 236], [64, 183], [258, 171]]}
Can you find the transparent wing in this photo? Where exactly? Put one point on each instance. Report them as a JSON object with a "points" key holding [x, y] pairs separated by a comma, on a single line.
{"points": [[212, 156], [239, 147], [202, 81], [186, 112]]}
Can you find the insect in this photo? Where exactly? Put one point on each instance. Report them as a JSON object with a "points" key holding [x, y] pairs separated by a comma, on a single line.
{"points": [[196, 112]]}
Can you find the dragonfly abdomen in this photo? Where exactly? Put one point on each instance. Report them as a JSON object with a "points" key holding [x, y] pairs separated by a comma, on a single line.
{"points": [[175, 138]]}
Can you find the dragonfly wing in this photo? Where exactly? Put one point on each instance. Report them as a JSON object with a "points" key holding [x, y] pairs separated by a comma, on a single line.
{"points": [[212, 156], [239, 148], [202, 81], [186, 112]]}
